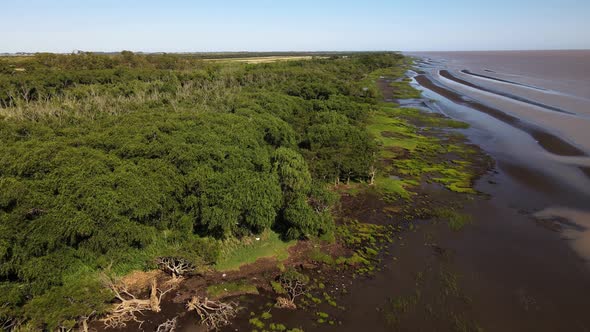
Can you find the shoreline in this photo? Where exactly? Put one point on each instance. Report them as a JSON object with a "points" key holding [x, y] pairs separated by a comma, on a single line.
{"points": [[548, 141], [446, 74], [372, 209], [460, 275]]}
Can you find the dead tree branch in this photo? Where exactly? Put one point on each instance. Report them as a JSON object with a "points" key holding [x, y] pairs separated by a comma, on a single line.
{"points": [[213, 314], [294, 285], [168, 326], [372, 174], [175, 266], [129, 306]]}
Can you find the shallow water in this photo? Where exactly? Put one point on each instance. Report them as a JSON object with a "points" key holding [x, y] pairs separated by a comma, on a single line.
{"points": [[554, 186]]}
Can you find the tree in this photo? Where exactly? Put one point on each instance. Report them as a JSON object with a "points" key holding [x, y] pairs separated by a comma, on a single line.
{"points": [[129, 306], [292, 284], [176, 266], [292, 170]]}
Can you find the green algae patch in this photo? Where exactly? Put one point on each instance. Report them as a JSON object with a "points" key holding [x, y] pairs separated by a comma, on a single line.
{"points": [[366, 242], [455, 220], [411, 154]]}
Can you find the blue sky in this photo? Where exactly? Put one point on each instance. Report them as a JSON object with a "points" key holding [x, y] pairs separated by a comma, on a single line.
{"points": [[305, 25]]}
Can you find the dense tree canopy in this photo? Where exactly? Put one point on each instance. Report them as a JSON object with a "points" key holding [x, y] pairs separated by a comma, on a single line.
{"points": [[112, 161]]}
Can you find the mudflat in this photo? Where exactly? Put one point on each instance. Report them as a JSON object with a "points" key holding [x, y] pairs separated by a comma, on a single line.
{"points": [[543, 100]]}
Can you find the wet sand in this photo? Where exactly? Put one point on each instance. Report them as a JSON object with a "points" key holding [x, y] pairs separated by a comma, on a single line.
{"points": [[467, 82], [548, 141], [446, 74], [495, 78]]}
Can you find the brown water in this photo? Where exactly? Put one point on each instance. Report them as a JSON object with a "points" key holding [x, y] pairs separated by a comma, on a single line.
{"points": [[546, 94]]}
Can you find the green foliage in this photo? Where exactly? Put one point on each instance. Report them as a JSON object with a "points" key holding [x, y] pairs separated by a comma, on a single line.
{"points": [[231, 289], [277, 287], [403, 90], [79, 296], [366, 241], [291, 275], [319, 256], [236, 253], [113, 161], [292, 170], [256, 322]]}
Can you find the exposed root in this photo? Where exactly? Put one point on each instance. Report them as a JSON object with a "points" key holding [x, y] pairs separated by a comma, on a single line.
{"points": [[130, 307], [173, 282], [285, 303], [213, 314]]}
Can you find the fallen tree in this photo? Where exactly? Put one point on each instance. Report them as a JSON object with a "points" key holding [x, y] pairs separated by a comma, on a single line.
{"points": [[130, 306], [213, 314]]}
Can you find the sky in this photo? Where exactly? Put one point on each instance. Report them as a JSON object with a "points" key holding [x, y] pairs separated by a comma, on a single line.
{"points": [[304, 25]]}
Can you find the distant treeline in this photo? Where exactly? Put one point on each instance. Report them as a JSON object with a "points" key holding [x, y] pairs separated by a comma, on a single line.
{"points": [[110, 161]]}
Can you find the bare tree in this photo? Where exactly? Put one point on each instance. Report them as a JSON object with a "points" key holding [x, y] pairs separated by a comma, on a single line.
{"points": [[213, 314], [129, 305], [176, 266], [372, 173], [294, 285]]}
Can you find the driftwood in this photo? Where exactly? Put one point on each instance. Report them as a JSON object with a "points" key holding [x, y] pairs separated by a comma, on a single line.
{"points": [[168, 326], [130, 306], [285, 303], [213, 314]]}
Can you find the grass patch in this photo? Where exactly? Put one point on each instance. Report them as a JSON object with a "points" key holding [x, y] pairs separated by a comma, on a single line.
{"points": [[236, 253], [392, 188], [403, 90], [319, 256], [230, 289], [455, 219]]}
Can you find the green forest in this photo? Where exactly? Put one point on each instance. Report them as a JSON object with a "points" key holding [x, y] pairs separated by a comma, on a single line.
{"points": [[108, 162]]}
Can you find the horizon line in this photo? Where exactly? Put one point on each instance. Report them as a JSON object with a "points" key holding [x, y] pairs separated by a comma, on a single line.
{"points": [[299, 51]]}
